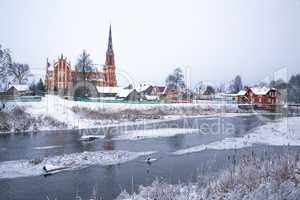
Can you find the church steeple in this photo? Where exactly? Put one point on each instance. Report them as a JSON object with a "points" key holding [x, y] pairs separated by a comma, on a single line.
{"points": [[109, 69], [110, 52]]}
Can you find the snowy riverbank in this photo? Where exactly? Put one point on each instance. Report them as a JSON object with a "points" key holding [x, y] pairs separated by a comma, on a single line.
{"points": [[55, 113], [253, 178], [285, 131]]}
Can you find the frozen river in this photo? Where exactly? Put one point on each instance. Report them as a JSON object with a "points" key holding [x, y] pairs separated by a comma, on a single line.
{"points": [[126, 168]]}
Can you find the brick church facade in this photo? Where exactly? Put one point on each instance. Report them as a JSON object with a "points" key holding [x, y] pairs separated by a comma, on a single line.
{"points": [[61, 76]]}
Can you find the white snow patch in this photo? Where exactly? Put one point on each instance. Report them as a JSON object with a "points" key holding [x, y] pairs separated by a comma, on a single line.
{"points": [[48, 147], [154, 133], [284, 132], [24, 168]]}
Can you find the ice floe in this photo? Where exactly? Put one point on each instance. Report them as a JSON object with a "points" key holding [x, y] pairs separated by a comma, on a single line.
{"points": [[154, 133], [25, 168]]}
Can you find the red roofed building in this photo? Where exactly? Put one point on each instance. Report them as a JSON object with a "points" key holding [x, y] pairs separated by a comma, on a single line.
{"points": [[263, 97], [61, 76]]}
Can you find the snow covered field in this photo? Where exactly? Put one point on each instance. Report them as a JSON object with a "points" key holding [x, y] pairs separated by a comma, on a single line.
{"points": [[286, 131], [63, 111], [25, 168]]}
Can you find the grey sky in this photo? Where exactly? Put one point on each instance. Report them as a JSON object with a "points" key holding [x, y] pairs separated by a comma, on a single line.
{"points": [[216, 39]]}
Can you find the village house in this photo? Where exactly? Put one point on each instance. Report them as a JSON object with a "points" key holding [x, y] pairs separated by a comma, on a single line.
{"points": [[129, 95], [108, 92], [151, 92], [261, 97], [17, 90]]}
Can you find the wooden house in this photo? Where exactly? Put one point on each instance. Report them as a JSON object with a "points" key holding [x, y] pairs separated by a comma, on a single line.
{"points": [[260, 97]]}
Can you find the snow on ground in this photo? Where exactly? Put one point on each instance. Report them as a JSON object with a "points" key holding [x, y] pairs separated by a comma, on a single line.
{"points": [[61, 110], [154, 133], [283, 132], [48, 147], [24, 168]]}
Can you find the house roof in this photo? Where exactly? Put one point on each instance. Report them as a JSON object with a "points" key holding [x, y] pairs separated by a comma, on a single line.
{"points": [[261, 90], [143, 87], [161, 89], [241, 93], [124, 93], [109, 90], [20, 88]]}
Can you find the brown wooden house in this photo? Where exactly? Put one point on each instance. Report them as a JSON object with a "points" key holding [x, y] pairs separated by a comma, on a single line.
{"points": [[264, 97]]}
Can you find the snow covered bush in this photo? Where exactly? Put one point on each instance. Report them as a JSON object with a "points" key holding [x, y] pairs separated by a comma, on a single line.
{"points": [[17, 120], [252, 179]]}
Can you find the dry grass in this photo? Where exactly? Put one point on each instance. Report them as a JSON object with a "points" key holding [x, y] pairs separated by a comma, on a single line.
{"points": [[251, 179], [127, 114], [17, 121]]}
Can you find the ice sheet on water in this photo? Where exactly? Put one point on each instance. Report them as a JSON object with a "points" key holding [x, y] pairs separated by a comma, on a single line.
{"points": [[154, 133], [283, 132], [24, 168], [48, 147]]}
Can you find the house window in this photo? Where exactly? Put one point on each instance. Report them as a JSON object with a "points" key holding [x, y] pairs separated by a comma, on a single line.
{"points": [[269, 100], [259, 99]]}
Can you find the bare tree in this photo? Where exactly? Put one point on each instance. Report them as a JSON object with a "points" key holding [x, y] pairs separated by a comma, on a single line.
{"points": [[19, 72], [5, 62], [83, 66]]}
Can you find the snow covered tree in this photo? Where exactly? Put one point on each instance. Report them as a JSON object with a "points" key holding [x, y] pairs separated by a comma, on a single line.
{"points": [[220, 88], [209, 90], [5, 62], [175, 81], [278, 84], [294, 89], [19, 72], [83, 66], [236, 85]]}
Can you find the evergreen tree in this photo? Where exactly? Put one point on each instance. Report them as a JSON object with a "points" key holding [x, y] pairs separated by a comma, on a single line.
{"points": [[294, 89], [5, 62], [40, 86]]}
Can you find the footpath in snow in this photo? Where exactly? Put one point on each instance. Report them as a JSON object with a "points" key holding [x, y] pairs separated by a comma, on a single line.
{"points": [[286, 131]]}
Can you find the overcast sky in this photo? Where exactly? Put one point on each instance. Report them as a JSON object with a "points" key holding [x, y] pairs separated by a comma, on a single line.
{"points": [[211, 39]]}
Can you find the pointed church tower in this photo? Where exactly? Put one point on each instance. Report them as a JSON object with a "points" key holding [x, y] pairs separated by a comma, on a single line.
{"points": [[109, 68]]}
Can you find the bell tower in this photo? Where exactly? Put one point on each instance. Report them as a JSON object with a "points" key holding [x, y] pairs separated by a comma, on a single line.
{"points": [[110, 68]]}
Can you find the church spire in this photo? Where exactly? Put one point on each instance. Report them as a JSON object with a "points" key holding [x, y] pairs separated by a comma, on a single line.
{"points": [[110, 52], [109, 47]]}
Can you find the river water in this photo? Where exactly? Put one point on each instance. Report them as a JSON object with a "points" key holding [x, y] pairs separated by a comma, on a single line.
{"points": [[110, 180]]}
